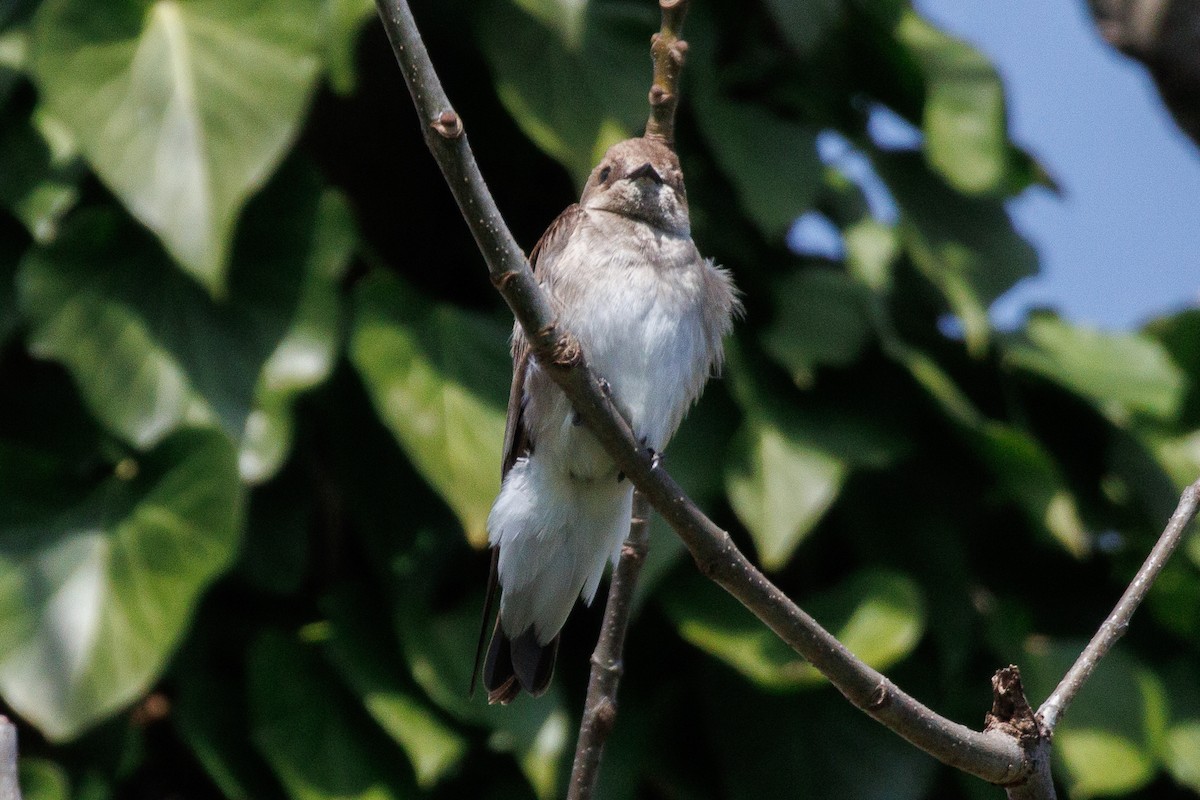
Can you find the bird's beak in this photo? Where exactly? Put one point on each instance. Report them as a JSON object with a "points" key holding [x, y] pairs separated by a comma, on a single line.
{"points": [[646, 171]]}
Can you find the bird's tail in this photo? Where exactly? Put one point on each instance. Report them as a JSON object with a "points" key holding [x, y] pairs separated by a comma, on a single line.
{"points": [[516, 664]]}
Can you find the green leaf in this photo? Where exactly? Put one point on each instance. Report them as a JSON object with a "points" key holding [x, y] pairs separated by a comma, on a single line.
{"points": [[97, 584], [309, 732], [771, 162], [438, 377], [965, 246], [39, 177], [43, 780], [148, 349], [1180, 335], [1121, 373], [183, 107], [1183, 753], [1110, 740], [343, 21], [879, 615], [780, 485], [433, 747], [1029, 475], [437, 643], [572, 75], [966, 137], [821, 320]]}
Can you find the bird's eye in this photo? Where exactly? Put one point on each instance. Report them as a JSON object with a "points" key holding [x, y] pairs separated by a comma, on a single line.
{"points": [[604, 173]]}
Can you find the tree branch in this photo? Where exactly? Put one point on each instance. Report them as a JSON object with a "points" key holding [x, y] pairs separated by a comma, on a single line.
{"points": [[1118, 621], [600, 708], [997, 755], [668, 51], [10, 788]]}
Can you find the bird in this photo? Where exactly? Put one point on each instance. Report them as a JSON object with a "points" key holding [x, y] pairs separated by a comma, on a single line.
{"points": [[623, 275]]}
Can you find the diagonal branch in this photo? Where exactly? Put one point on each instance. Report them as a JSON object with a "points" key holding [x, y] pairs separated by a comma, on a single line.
{"points": [[993, 756], [1118, 621], [600, 708]]}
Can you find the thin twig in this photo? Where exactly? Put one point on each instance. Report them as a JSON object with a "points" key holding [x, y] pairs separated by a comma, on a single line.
{"points": [[994, 757], [600, 708], [668, 51], [1118, 621]]}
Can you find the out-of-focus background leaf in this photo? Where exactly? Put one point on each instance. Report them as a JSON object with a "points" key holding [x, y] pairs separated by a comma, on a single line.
{"points": [[252, 388]]}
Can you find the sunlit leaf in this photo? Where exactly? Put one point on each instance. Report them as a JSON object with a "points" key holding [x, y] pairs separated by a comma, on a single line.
{"points": [[439, 379], [780, 485], [148, 349], [97, 584], [1183, 753], [183, 107], [1110, 739], [573, 75], [343, 21], [1121, 373], [312, 737], [964, 121], [879, 615]]}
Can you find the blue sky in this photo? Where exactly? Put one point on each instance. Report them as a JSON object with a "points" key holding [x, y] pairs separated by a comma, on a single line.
{"points": [[1122, 244]]}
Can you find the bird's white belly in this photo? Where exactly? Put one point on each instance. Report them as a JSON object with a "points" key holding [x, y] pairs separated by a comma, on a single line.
{"points": [[633, 336]]}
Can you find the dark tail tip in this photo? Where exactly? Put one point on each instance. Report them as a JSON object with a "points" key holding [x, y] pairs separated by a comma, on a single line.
{"points": [[516, 664]]}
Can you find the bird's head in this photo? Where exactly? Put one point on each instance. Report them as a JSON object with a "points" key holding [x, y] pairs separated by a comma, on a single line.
{"points": [[640, 179]]}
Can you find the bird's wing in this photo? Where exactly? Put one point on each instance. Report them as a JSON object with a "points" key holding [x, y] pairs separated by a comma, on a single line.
{"points": [[517, 442], [544, 254]]}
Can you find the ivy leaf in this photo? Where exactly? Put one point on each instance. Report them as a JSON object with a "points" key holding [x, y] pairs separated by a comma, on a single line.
{"points": [[780, 485], [879, 615], [965, 246], [571, 74], [439, 378], [344, 20], [98, 584], [308, 731], [1109, 743], [433, 747], [964, 119], [1121, 373], [148, 349], [183, 107], [771, 161], [39, 177], [821, 320]]}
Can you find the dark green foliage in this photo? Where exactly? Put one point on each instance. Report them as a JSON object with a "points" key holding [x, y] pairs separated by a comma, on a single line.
{"points": [[252, 386]]}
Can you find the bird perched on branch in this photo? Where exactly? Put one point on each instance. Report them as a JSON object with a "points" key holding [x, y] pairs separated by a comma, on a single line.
{"points": [[623, 276]]}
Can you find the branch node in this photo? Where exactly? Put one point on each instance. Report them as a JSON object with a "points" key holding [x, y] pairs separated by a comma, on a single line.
{"points": [[1011, 712], [501, 280], [881, 697], [448, 125], [679, 52]]}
